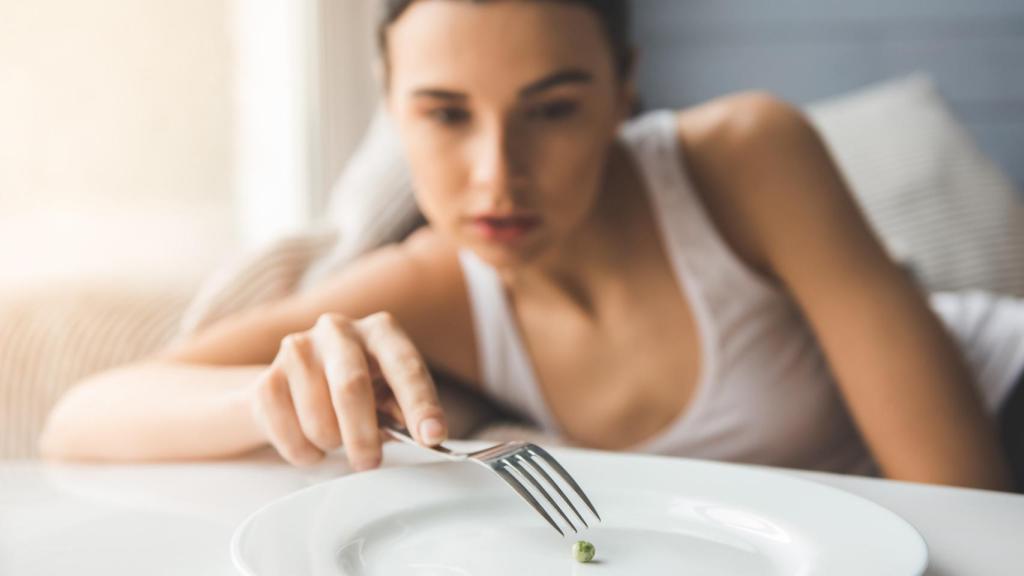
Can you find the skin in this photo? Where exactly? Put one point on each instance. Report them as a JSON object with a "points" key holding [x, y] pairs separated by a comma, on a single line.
{"points": [[527, 124]]}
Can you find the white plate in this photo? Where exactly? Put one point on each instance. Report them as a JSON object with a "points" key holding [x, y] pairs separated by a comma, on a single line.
{"points": [[661, 516]]}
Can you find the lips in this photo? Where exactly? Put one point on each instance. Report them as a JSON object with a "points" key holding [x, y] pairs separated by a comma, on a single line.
{"points": [[505, 228]]}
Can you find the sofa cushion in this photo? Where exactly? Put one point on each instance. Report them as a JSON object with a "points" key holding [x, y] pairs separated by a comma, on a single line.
{"points": [[51, 339]]}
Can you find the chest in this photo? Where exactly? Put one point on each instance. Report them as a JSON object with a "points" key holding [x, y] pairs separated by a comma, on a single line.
{"points": [[616, 381]]}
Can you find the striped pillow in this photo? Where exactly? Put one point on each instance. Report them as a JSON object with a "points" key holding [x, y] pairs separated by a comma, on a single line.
{"points": [[54, 337], [937, 202], [269, 274]]}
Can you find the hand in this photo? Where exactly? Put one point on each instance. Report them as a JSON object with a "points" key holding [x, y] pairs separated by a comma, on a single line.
{"points": [[324, 389]]}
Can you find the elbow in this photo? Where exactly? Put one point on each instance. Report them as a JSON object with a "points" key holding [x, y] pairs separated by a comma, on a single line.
{"points": [[71, 431], [56, 442], [988, 476], [82, 425], [51, 447]]}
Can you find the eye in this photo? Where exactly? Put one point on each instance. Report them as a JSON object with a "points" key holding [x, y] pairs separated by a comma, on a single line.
{"points": [[553, 110], [449, 116]]}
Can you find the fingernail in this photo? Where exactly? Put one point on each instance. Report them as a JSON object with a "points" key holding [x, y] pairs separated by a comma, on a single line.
{"points": [[431, 431]]}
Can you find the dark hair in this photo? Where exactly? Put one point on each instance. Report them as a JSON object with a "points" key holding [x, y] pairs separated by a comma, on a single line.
{"points": [[613, 14]]}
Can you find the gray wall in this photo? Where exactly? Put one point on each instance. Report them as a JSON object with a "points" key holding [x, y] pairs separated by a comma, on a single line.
{"points": [[804, 50]]}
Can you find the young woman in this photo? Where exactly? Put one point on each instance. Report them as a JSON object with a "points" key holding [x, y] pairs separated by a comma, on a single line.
{"points": [[694, 282]]}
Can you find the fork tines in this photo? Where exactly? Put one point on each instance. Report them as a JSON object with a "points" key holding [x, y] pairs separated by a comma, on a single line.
{"points": [[526, 462], [524, 467]]}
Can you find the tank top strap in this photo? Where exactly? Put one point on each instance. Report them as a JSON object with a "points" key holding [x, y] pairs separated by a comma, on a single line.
{"points": [[690, 235], [508, 375]]}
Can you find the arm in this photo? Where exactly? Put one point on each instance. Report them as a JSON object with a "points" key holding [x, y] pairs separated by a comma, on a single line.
{"points": [[155, 410], [901, 375], [194, 399]]}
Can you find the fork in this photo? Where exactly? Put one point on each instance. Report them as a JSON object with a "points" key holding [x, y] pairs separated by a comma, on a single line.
{"points": [[512, 461]]}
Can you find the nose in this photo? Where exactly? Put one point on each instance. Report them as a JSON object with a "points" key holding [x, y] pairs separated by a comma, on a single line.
{"points": [[498, 166]]}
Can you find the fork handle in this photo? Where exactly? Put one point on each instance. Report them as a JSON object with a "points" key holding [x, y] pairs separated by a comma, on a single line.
{"points": [[401, 433]]}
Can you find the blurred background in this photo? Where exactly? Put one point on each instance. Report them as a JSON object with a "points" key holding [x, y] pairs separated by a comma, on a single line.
{"points": [[149, 141]]}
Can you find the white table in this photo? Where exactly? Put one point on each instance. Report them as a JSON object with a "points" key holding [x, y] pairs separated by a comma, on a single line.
{"points": [[177, 519]]}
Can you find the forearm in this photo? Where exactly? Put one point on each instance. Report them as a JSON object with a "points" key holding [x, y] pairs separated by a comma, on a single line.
{"points": [[155, 411], [173, 411], [915, 399]]}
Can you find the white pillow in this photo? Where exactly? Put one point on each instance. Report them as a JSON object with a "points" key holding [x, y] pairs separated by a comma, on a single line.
{"points": [[936, 201], [372, 202]]}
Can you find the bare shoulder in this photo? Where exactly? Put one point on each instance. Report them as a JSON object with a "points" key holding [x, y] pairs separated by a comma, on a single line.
{"points": [[433, 254], [738, 149], [419, 281], [736, 122]]}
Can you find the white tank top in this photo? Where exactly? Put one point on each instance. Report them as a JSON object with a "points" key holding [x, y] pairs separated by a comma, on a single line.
{"points": [[764, 394]]}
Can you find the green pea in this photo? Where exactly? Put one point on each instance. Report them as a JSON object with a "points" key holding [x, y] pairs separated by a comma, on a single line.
{"points": [[583, 551]]}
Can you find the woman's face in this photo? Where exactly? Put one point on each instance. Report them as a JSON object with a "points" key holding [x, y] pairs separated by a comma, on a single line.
{"points": [[506, 110]]}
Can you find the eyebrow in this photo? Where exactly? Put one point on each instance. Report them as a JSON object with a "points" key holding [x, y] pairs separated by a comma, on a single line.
{"points": [[568, 76]]}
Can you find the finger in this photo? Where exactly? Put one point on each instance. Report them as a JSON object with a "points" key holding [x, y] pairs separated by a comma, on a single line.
{"points": [[407, 375], [387, 404], [351, 390], [309, 391], [277, 413]]}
